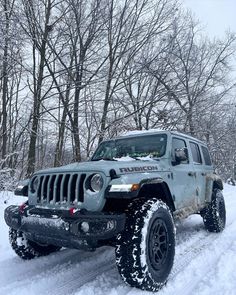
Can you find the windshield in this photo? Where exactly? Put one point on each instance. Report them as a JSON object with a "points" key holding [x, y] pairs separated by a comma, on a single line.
{"points": [[153, 146]]}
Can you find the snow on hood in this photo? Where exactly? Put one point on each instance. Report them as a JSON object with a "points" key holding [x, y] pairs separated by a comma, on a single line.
{"points": [[130, 159], [125, 159], [147, 158]]}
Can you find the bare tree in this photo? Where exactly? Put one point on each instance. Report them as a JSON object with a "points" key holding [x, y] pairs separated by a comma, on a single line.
{"points": [[10, 79], [81, 29], [196, 66], [36, 24], [7, 7], [130, 26]]}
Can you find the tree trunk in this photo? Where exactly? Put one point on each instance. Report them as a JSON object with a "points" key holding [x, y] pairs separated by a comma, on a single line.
{"points": [[5, 84], [106, 104], [60, 142], [78, 85], [37, 96]]}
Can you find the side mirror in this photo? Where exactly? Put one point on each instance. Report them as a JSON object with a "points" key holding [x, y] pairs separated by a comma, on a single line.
{"points": [[22, 188], [181, 155]]}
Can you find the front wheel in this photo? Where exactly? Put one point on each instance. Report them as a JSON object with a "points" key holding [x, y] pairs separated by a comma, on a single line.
{"points": [[214, 216], [145, 250], [27, 249]]}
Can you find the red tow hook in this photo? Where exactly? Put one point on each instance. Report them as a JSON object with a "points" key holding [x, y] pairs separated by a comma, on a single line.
{"points": [[22, 208], [72, 211]]}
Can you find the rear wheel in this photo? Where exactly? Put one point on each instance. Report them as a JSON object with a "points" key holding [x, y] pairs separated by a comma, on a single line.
{"points": [[145, 250], [214, 216], [27, 249]]}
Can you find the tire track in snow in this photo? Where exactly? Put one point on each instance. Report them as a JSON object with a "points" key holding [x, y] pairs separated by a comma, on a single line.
{"points": [[43, 267], [20, 269], [184, 257], [195, 247], [201, 258], [72, 285], [38, 266]]}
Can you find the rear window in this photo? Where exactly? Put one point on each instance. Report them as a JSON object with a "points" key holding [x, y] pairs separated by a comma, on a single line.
{"points": [[206, 156], [195, 153]]}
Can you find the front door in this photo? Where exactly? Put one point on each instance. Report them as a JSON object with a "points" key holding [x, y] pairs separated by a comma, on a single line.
{"points": [[184, 178]]}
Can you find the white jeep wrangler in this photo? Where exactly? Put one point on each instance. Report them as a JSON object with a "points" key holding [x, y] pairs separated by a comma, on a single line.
{"points": [[127, 196]]}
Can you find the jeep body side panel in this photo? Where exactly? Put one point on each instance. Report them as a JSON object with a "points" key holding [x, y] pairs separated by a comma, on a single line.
{"points": [[199, 173], [198, 185], [183, 180]]}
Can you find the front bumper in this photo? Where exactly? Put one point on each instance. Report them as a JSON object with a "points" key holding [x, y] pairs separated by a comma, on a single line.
{"points": [[82, 230]]}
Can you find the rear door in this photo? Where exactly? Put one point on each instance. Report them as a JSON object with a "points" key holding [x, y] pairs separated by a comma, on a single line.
{"points": [[198, 171]]}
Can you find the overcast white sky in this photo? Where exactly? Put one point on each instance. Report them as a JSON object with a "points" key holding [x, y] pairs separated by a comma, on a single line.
{"points": [[217, 16]]}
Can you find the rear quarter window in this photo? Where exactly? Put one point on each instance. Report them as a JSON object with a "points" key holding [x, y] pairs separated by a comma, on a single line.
{"points": [[206, 156], [195, 153]]}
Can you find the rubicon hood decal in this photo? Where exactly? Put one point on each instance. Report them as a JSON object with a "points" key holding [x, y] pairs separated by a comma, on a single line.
{"points": [[138, 169], [104, 167]]}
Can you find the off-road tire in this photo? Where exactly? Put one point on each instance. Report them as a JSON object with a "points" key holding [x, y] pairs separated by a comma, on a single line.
{"points": [[214, 216], [27, 249], [145, 249]]}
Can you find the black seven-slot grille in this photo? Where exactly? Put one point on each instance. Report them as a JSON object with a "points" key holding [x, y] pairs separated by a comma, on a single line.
{"points": [[61, 188]]}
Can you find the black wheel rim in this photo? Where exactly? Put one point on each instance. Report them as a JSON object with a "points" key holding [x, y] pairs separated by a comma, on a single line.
{"points": [[158, 244]]}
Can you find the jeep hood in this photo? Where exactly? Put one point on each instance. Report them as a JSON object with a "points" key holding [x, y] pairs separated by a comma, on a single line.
{"points": [[121, 167]]}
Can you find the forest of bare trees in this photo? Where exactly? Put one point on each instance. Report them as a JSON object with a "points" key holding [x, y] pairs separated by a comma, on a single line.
{"points": [[74, 72]]}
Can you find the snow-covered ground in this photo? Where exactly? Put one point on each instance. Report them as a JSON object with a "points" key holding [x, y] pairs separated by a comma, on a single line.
{"points": [[205, 263]]}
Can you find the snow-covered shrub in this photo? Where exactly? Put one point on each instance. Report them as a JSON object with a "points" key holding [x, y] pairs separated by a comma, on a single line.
{"points": [[8, 180], [231, 181]]}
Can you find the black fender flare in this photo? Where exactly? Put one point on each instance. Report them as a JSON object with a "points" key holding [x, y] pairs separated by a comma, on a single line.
{"points": [[218, 183], [159, 182]]}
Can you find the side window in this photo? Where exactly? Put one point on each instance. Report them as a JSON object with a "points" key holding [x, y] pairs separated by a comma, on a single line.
{"points": [[178, 143], [206, 156], [195, 153]]}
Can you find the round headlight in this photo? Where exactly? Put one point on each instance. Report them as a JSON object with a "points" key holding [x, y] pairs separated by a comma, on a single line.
{"points": [[96, 182], [34, 184]]}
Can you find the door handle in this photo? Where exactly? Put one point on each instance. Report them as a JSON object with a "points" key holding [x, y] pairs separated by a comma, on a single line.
{"points": [[192, 173]]}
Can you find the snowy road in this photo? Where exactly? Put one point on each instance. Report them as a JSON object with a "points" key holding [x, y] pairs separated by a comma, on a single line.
{"points": [[204, 263]]}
